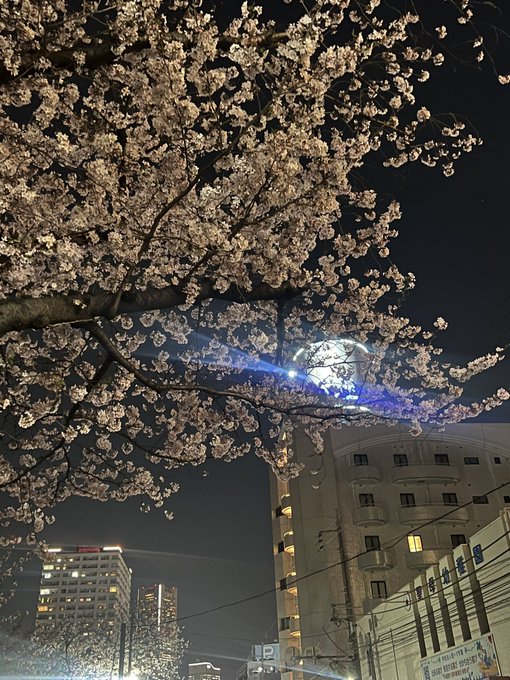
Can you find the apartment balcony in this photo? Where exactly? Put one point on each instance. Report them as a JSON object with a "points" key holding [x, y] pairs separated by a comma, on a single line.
{"points": [[288, 542], [375, 559], [419, 514], [295, 630], [370, 515], [363, 474], [291, 585], [424, 559], [286, 505], [421, 474]]}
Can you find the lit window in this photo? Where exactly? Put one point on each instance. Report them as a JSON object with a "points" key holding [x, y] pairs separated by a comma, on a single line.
{"points": [[42, 608], [414, 543], [74, 574], [45, 591], [113, 589], [47, 575], [48, 567]]}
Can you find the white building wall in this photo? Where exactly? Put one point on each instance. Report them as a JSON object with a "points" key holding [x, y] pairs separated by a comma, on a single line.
{"points": [[330, 525], [391, 633]]}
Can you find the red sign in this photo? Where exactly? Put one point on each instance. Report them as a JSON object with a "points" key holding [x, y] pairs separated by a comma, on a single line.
{"points": [[87, 548]]}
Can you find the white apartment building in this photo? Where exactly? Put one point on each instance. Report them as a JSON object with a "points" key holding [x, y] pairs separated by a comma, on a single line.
{"points": [[83, 585], [376, 510], [451, 622]]}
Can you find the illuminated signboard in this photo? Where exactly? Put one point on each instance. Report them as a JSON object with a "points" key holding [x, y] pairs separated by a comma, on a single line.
{"points": [[87, 549]]}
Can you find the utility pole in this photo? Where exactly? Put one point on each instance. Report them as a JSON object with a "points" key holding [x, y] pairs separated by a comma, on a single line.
{"points": [[394, 654]]}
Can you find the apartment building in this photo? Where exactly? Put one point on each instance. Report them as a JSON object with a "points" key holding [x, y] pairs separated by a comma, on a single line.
{"points": [[376, 509], [84, 584]]}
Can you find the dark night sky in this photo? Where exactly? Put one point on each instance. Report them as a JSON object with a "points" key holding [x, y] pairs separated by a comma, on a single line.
{"points": [[455, 238]]}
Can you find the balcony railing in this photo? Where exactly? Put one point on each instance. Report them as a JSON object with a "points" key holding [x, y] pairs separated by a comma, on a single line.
{"points": [[421, 474], [363, 474], [418, 514], [295, 630], [375, 559], [424, 559], [286, 505], [368, 514], [288, 542], [291, 585]]}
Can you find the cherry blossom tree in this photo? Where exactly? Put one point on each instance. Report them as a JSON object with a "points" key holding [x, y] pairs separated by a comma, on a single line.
{"points": [[185, 219]]}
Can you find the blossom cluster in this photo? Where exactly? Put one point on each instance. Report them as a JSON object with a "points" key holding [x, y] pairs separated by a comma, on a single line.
{"points": [[181, 212]]}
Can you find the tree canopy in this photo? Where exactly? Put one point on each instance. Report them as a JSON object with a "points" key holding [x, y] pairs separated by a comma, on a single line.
{"points": [[189, 242]]}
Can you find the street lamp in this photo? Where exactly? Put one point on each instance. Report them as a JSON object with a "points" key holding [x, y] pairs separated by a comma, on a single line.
{"points": [[334, 366]]}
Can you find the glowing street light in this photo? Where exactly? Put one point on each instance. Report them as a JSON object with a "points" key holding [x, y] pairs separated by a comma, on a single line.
{"points": [[334, 366]]}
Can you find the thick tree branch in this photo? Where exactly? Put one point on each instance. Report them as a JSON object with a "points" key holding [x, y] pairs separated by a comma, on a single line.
{"points": [[26, 313], [316, 410], [98, 54]]}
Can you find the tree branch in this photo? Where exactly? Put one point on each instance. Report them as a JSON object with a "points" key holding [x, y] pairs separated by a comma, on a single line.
{"points": [[97, 54], [41, 312], [316, 410]]}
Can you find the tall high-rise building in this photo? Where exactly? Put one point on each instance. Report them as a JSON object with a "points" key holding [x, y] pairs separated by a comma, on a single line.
{"points": [[157, 603], [156, 639], [375, 510], [83, 585], [203, 670]]}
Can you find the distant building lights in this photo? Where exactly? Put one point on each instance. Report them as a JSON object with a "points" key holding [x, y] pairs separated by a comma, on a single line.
{"points": [[54, 550], [110, 548]]}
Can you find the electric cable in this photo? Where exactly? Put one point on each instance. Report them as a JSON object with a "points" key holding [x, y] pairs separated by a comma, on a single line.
{"points": [[392, 543]]}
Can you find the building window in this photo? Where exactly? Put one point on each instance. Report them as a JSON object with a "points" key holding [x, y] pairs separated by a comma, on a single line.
{"points": [[442, 459], [281, 547], [407, 500], [414, 543], [400, 459], [285, 623], [366, 499], [480, 500], [379, 591], [372, 543], [497, 460], [450, 499], [471, 460], [457, 539], [278, 512], [506, 499], [360, 459], [283, 584]]}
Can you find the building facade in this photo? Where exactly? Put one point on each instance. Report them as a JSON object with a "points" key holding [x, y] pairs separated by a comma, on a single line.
{"points": [[157, 603], [263, 663], [156, 641], [203, 670], [378, 508], [453, 621], [84, 585]]}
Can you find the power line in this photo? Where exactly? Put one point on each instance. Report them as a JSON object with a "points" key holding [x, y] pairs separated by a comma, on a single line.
{"points": [[274, 590]]}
